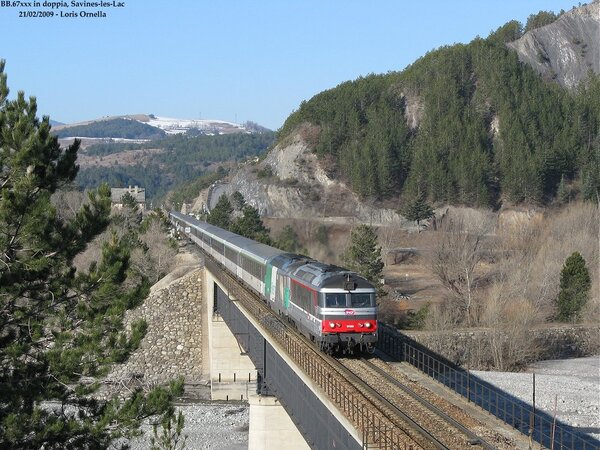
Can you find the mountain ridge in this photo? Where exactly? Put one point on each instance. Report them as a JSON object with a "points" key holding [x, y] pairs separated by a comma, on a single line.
{"points": [[473, 111], [138, 127]]}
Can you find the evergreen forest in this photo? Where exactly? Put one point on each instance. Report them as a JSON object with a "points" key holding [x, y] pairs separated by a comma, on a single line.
{"points": [[113, 128], [184, 159], [465, 124], [62, 326]]}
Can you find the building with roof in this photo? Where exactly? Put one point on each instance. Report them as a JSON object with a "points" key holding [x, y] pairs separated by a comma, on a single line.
{"points": [[138, 193]]}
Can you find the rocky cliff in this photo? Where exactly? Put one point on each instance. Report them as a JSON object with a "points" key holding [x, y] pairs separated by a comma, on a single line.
{"points": [[291, 183], [567, 49]]}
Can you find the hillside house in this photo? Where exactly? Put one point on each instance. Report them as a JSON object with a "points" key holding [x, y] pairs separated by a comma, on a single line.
{"points": [[138, 193]]}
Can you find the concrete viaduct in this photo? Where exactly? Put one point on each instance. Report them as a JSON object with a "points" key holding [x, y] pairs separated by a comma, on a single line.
{"points": [[244, 365]]}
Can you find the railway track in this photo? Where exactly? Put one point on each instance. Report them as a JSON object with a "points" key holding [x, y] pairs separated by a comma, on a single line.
{"points": [[445, 425], [378, 431], [372, 410], [415, 424]]}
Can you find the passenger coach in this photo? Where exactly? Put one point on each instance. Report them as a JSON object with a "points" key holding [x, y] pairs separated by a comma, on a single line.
{"points": [[332, 306]]}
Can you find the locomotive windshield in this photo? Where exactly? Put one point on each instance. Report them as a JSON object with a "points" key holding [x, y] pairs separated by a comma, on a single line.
{"points": [[360, 300], [335, 300], [339, 300]]}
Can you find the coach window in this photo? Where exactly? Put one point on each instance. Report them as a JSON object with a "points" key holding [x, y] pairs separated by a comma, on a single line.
{"points": [[335, 300], [254, 269], [218, 246], [245, 263], [306, 299], [251, 266], [231, 254]]}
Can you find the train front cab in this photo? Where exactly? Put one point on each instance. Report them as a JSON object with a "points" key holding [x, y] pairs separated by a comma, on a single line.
{"points": [[348, 320]]}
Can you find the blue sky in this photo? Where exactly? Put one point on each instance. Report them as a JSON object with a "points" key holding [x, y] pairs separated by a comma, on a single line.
{"points": [[232, 60]]}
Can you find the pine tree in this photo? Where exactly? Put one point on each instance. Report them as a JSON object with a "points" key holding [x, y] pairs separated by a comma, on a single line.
{"points": [[590, 173], [363, 255], [129, 200], [562, 192], [540, 19], [251, 226], [129, 217], [171, 436], [288, 240], [220, 215], [418, 209], [238, 200], [575, 285], [321, 235], [59, 331]]}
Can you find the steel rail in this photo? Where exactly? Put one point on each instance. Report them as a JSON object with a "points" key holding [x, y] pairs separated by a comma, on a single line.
{"points": [[319, 366], [431, 439], [476, 440]]}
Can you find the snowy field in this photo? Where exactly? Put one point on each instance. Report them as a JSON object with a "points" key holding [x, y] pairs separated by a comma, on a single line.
{"points": [[177, 126]]}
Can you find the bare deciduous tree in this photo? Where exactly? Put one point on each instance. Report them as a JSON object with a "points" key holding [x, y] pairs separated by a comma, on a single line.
{"points": [[509, 320], [514, 289], [443, 317], [388, 239], [159, 257], [574, 228], [454, 259], [68, 202], [92, 254]]}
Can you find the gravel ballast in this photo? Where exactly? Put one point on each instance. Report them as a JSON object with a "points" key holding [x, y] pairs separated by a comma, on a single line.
{"points": [[213, 425]]}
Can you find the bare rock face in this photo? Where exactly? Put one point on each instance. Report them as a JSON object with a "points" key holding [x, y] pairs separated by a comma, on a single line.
{"points": [[414, 110], [297, 186], [567, 49]]}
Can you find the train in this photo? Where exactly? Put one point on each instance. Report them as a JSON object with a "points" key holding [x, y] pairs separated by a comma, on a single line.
{"points": [[333, 307]]}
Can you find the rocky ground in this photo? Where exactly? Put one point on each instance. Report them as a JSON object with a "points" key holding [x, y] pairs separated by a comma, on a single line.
{"points": [[211, 425], [574, 383], [173, 343]]}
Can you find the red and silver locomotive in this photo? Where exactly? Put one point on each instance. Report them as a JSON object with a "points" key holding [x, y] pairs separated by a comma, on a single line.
{"points": [[333, 307]]}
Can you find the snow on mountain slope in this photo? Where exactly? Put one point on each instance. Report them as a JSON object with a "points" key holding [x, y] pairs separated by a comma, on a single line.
{"points": [[176, 126], [169, 125]]}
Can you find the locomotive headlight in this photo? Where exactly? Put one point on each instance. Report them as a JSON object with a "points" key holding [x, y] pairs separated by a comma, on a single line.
{"points": [[331, 324], [368, 325]]}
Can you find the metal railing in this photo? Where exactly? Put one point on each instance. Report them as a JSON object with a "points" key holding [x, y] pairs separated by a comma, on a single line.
{"points": [[538, 425], [381, 432]]}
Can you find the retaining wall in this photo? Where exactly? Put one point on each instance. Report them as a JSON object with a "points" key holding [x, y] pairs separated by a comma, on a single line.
{"points": [[473, 348]]}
